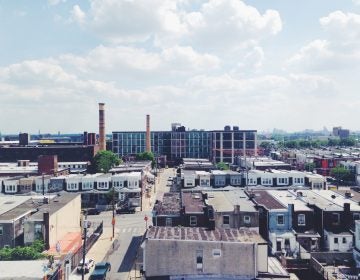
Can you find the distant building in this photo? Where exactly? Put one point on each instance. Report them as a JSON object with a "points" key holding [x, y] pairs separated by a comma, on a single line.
{"points": [[217, 145], [342, 133]]}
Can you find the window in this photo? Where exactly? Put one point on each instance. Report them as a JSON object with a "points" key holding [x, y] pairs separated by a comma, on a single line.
{"points": [[247, 219], [216, 253], [344, 240], [301, 219], [267, 181], [38, 228], [336, 240], [193, 221], [199, 260], [335, 218], [280, 219], [1, 230], [168, 222], [226, 220]]}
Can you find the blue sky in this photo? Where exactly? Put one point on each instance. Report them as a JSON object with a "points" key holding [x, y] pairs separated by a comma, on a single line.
{"points": [[205, 63]]}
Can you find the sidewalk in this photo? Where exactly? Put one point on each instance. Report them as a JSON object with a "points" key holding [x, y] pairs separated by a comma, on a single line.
{"points": [[148, 204], [101, 247], [98, 251]]}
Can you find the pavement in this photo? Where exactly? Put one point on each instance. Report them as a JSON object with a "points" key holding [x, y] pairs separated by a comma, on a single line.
{"points": [[122, 251], [161, 187]]}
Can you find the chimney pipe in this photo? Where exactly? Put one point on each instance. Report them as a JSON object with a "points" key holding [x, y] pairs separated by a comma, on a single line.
{"points": [[148, 136], [102, 140]]}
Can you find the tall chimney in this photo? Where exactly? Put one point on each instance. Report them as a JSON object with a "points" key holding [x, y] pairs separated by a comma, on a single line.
{"points": [[102, 140], [148, 137]]}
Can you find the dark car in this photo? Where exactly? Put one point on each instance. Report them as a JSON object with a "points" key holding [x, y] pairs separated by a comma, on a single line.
{"points": [[125, 210], [100, 271], [93, 211]]}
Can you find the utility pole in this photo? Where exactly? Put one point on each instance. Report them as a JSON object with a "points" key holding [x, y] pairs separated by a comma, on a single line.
{"points": [[43, 184], [84, 249], [113, 212]]}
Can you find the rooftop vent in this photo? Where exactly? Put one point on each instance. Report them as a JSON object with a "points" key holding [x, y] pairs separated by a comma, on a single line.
{"points": [[333, 196]]}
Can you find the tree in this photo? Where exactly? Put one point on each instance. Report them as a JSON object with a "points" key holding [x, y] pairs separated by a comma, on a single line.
{"points": [[340, 173], [104, 161], [32, 252], [145, 156], [309, 166], [222, 166]]}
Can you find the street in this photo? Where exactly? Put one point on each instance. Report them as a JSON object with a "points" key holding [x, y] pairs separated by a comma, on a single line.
{"points": [[129, 231]]}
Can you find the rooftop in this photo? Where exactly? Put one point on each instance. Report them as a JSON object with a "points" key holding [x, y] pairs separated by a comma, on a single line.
{"points": [[287, 198], [55, 204], [170, 204], [8, 202], [203, 234], [313, 197], [225, 201], [263, 198], [193, 202]]}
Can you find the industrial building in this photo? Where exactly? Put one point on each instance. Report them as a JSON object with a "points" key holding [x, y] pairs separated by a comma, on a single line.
{"points": [[217, 145]]}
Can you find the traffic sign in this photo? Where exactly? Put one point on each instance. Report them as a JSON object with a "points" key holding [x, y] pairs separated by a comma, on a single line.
{"points": [[146, 218]]}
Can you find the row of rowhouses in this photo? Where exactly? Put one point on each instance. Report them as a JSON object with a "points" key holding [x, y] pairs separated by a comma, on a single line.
{"points": [[268, 178]]}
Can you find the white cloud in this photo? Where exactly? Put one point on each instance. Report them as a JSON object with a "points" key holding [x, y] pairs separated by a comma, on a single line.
{"points": [[356, 2], [342, 26], [77, 15], [55, 2], [117, 63], [230, 23], [340, 49], [216, 24]]}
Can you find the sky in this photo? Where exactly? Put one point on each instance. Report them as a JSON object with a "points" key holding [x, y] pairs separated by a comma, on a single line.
{"points": [[257, 64]]}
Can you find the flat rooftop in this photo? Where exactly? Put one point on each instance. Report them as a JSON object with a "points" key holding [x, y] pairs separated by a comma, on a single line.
{"points": [[263, 198], [8, 202], [203, 234], [225, 201], [170, 205], [55, 204], [285, 197], [314, 198], [193, 202]]}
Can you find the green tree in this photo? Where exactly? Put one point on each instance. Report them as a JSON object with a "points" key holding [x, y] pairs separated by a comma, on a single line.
{"points": [[222, 166], [103, 161], [32, 252], [340, 173], [347, 142], [334, 142], [309, 166], [145, 156]]}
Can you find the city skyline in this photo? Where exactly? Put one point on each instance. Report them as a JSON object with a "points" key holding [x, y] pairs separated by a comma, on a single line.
{"points": [[205, 64]]}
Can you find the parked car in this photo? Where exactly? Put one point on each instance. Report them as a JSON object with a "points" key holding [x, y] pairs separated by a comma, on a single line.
{"points": [[125, 210], [93, 211], [89, 263], [100, 271]]}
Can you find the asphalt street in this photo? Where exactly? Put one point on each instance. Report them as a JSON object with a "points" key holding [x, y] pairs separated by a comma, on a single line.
{"points": [[129, 231]]}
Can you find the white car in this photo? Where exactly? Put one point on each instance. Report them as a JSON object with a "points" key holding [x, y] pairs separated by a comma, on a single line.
{"points": [[89, 263]]}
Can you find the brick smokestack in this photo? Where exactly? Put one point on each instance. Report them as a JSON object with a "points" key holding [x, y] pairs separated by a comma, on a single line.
{"points": [[102, 139], [148, 136]]}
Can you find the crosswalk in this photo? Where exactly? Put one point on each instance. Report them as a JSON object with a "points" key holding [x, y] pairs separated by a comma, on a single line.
{"points": [[139, 230]]}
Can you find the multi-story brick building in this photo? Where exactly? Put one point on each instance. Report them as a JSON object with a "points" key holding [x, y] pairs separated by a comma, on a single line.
{"points": [[217, 145]]}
